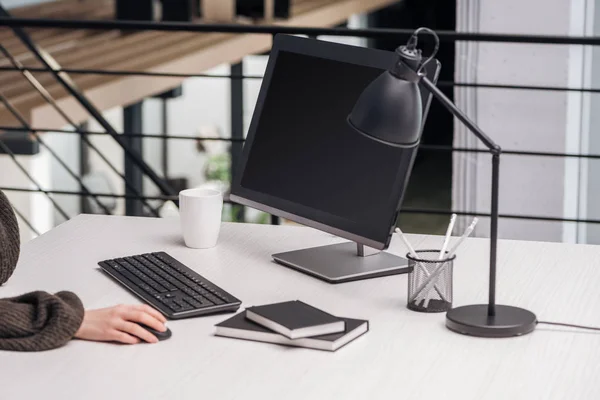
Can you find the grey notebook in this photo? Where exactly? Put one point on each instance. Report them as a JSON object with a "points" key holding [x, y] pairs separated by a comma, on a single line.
{"points": [[295, 319], [240, 327]]}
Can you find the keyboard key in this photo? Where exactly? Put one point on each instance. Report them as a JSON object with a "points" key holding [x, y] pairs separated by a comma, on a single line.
{"points": [[134, 279], [201, 291], [143, 277], [172, 305], [186, 306], [214, 299], [188, 291], [164, 276], [143, 267], [192, 302], [203, 300], [149, 289]]}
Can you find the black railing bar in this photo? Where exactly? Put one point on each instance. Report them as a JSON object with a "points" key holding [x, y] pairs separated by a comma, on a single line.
{"points": [[407, 210], [144, 135], [26, 221], [509, 152], [378, 33], [516, 87], [26, 125], [69, 85], [48, 194], [425, 147], [76, 71], [50, 100], [83, 194]]}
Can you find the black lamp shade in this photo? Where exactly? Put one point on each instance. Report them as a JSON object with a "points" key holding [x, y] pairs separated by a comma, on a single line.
{"points": [[389, 110]]}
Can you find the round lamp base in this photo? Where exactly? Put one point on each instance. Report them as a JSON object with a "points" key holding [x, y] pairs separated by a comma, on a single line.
{"points": [[474, 321]]}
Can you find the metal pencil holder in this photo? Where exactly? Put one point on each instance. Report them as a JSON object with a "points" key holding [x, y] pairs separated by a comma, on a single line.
{"points": [[430, 282]]}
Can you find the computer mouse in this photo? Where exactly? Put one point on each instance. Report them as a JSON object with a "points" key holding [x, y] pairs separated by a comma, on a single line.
{"points": [[159, 335]]}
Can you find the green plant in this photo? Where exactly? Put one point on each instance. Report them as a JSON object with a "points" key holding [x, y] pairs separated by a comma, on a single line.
{"points": [[218, 168]]}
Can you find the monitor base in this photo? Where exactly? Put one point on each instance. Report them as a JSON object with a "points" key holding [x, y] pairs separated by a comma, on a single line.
{"points": [[341, 262]]}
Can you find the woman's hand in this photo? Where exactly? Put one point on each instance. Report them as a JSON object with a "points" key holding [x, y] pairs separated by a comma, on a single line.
{"points": [[119, 324]]}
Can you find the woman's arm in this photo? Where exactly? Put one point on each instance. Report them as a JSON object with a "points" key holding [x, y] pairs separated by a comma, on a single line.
{"points": [[39, 321], [10, 241]]}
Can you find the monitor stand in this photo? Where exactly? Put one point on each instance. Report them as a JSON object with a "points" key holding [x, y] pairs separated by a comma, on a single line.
{"points": [[343, 262]]}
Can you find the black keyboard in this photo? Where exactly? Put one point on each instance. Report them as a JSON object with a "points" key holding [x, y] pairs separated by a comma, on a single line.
{"points": [[169, 286]]}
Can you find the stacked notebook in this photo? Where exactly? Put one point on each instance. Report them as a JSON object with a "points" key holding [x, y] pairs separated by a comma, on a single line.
{"points": [[293, 323]]}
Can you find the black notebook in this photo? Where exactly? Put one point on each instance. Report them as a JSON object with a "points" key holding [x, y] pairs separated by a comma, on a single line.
{"points": [[295, 319], [240, 327]]}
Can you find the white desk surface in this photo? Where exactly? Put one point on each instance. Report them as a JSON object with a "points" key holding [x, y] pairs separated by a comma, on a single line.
{"points": [[406, 355]]}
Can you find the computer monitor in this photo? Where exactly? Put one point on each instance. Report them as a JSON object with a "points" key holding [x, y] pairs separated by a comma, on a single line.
{"points": [[303, 162]]}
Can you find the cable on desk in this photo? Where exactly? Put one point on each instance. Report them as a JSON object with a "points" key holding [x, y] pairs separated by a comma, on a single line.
{"points": [[593, 328]]}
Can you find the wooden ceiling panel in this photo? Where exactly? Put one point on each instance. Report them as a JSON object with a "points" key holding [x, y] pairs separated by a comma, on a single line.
{"points": [[136, 51]]}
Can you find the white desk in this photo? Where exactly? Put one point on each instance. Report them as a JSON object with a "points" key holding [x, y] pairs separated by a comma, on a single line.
{"points": [[406, 355]]}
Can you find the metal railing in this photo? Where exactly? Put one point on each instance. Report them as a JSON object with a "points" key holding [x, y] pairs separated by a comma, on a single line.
{"points": [[237, 76]]}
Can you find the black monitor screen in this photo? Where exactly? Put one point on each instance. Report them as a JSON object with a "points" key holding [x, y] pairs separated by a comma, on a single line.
{"points": [[305, 158]]}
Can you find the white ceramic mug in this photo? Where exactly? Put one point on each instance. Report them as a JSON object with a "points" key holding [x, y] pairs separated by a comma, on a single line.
{"points": [[200, 214]]}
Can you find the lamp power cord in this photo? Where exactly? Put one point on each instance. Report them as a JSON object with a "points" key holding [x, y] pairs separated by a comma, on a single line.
{"points": [[412, 44], [592, 328]]}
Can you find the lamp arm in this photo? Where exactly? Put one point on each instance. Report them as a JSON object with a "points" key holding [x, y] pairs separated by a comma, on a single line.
{"points": [[446, 102], [496, 151]]}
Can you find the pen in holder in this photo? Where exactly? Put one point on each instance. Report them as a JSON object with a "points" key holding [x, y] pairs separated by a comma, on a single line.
{"points": [[430, 281]]}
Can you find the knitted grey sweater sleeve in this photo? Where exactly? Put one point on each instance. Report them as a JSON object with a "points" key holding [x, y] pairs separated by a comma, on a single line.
{"points": [[38, 320], [9, 239]]}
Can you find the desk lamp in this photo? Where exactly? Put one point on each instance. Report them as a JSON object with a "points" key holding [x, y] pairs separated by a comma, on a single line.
{"points": [[389, 111]]}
